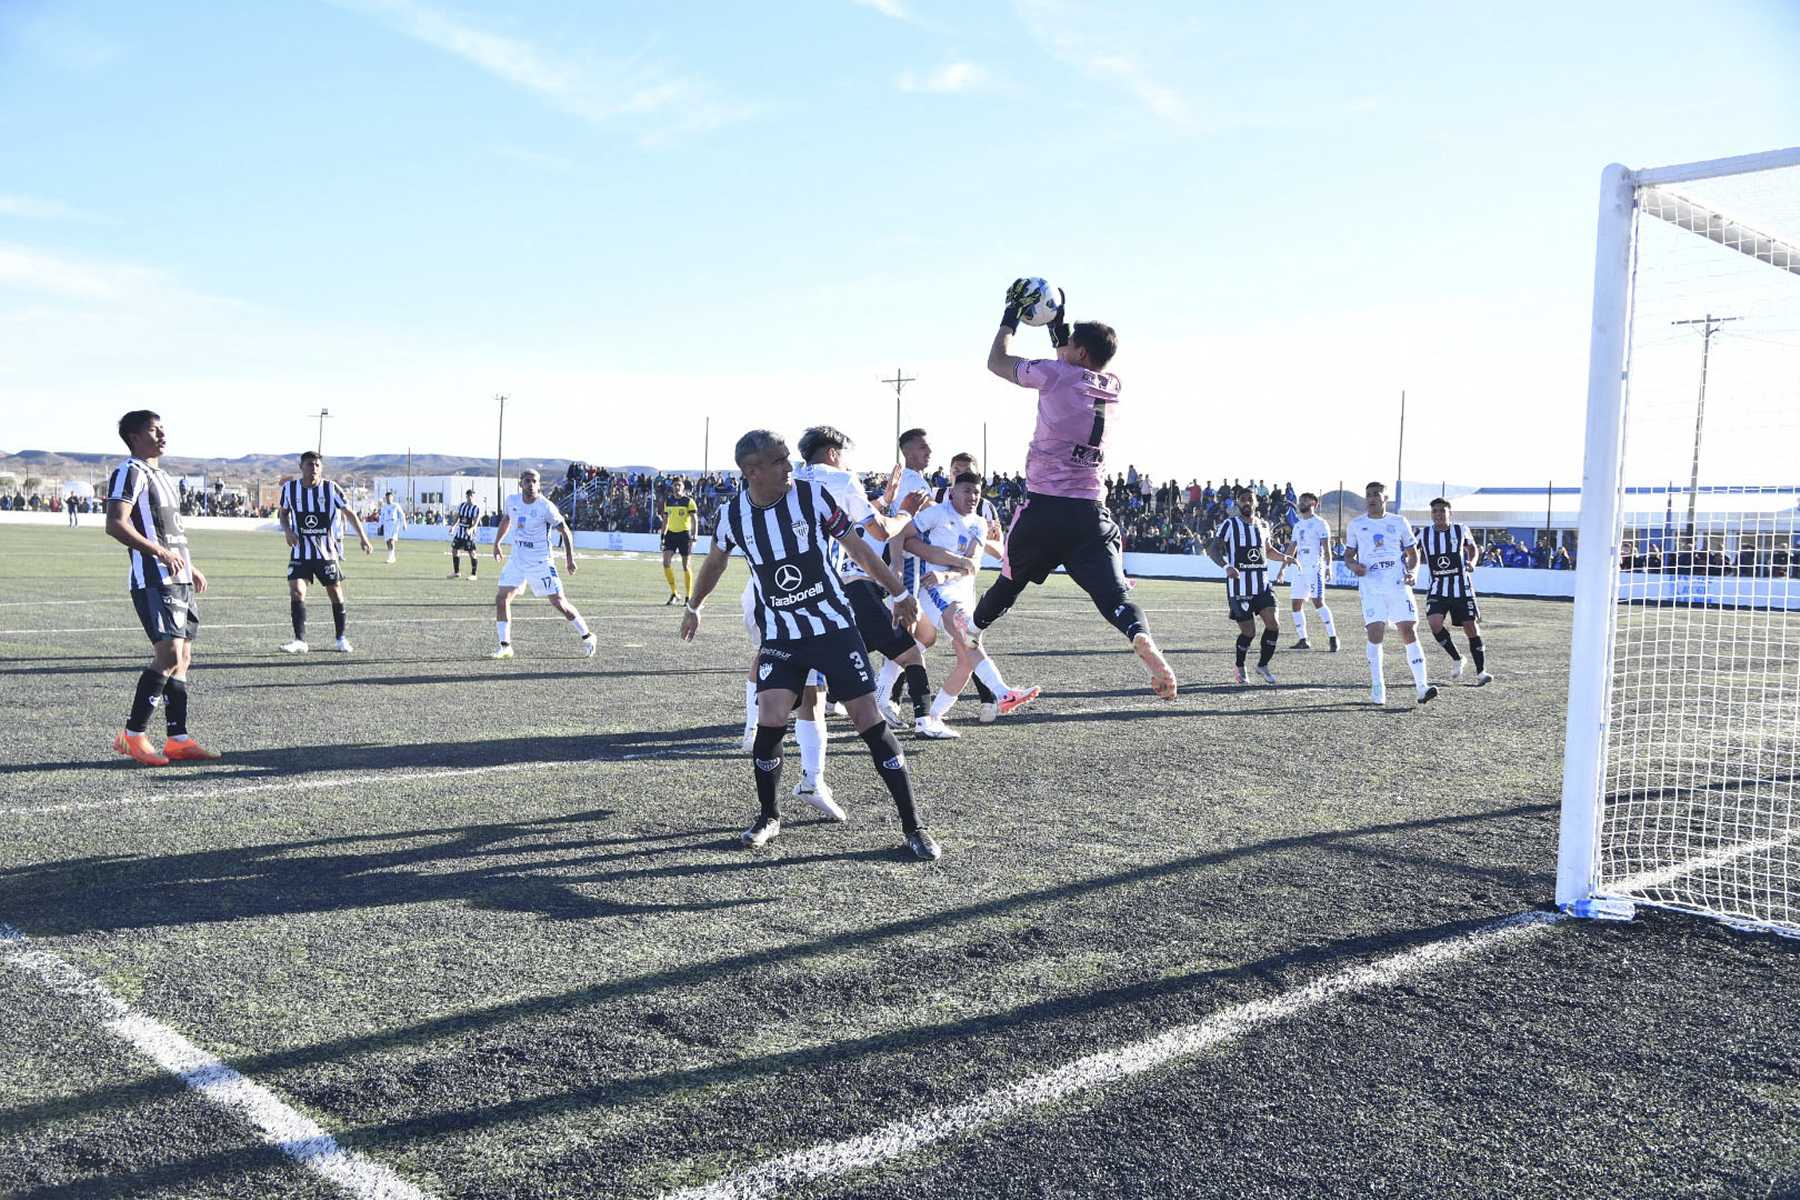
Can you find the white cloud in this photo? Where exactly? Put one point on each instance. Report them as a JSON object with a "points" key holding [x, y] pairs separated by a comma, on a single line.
{"points": [[887, 8], [26, 269], [665, 102], [951, 77], [540, 159], [1051, 24], [35, 208]]}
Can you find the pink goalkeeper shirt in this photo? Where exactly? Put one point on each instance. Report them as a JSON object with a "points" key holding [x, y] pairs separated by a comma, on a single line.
{"points": [[1073, 413]]}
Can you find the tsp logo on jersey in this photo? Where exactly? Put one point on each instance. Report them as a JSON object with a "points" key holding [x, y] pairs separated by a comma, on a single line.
{"points": [[787, 577]]}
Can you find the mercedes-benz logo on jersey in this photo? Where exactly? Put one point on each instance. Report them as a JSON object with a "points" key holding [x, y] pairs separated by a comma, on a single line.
{"points": [[787, 577]]}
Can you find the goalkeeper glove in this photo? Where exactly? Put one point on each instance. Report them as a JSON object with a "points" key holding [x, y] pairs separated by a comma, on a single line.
{"points": [[1059, 326], [1015, 296]]}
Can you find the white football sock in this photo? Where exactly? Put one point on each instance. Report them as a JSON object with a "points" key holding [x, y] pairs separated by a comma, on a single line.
{"points": [[988, 673], [1325, 616], [1415, 658], [811, 736], [749, 703], [504, 629], [1300, 623], [1375, 662], [884, 684], [580, 624], [942, 704]]}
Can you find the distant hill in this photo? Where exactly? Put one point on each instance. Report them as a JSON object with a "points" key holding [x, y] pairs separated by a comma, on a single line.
{"points": [[53, 466]]}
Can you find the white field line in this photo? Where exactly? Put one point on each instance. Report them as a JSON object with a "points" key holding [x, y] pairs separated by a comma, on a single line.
{"points": [[224, 792], [1646, 880], [294, 1134], [356, 624], [1107, 1067]]}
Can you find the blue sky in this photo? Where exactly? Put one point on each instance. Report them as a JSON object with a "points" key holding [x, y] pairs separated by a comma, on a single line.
{"points": [[630, 218]]}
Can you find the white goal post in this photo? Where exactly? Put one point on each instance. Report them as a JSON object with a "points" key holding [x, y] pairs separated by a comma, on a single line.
{"points": [[1681, 770]]}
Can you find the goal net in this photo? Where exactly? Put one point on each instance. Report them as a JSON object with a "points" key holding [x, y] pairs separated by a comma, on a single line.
{"points": [[1681, 779]]}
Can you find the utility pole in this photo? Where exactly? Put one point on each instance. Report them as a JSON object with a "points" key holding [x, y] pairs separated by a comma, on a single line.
{"points": [[1708, 326], [900, 380], [1399, 458], [500, 458], [323, 413]]}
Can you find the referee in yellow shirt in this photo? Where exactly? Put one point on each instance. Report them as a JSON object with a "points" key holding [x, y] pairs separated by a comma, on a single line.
{"points": [[680, 515]]}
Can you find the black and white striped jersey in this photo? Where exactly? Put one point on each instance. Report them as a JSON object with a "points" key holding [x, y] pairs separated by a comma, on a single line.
{"points": [[467, 514], [1246, 544], [789, 548], [155, 502], [312, 514], [1450, 577]]}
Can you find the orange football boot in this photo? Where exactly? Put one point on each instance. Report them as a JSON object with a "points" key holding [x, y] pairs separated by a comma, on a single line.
{"points": [[138, 746], [187, 750]]}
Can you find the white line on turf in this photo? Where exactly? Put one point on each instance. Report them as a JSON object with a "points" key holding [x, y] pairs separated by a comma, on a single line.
{"points": [[294, 1134], [360, 622], [1003, 1103]]}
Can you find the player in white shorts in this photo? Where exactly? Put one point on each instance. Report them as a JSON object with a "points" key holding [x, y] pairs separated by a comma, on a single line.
{"points": [[1382, 551], [950, 539], [1311, 549], [532, 519], [392, 521]]}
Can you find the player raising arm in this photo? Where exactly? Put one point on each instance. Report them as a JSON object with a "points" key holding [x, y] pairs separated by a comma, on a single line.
{"points": [[1063, 521]]}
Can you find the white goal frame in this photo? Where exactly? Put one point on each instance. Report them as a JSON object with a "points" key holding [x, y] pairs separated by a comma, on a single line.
{"points": [[1579, 887]]}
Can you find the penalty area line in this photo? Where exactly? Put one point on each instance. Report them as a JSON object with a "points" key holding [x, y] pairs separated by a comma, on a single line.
{"points": [[277, 1122], [991, 1107]]}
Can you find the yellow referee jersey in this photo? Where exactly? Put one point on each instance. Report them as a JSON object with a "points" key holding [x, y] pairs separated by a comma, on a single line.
{"points": [[678, 515]]}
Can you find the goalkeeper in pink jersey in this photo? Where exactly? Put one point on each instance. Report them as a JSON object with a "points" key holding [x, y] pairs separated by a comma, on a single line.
{"points": [[1063, 521]]}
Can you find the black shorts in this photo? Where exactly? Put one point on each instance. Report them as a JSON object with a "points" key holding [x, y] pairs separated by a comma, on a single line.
{"points": [[167, 611], [320, 570], [874, 620], [838, 656], [679, 543], [1460, 610], [1243, 608], [1059, 531], [462, 543]]}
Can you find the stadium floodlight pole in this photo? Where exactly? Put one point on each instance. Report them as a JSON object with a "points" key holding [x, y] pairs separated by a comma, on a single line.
{"points": [[323, 413], [900, 380], [1399, 459], [1709, 325], [1596, 572]]}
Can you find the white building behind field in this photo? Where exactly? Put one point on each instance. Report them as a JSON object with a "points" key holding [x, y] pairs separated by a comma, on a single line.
{"points": [[442, 493]]}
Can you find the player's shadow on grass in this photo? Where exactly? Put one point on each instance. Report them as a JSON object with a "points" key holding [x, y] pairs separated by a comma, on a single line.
{"points": [[371, 759], [515, 866], [91, 894]]}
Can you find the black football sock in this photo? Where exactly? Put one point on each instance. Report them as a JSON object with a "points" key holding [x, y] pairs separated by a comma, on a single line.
{"points": [[297, 610], [1443, 639], [765, 756], [456, 565], [149, 691], [1477, 651], [983, 690], [899, 686], [996, 600], [1269, 639], [337, 617], [175, 696], [918, 685], [1243, 649], [891, 764]]}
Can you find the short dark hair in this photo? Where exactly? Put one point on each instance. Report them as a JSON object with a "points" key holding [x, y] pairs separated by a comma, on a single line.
{"points": [[911, 435], [310, 454], [963, 456], [968, 477], [1442, 501], [1100, 341], [1375, 485], [135, 422], [387, 493], [1245, 493], [757, 441], [470, 492], [1308, 496], [823, 437]]}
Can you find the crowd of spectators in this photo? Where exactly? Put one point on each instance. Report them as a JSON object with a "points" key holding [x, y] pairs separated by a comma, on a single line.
{"points": [[1683, 559], [594, 498]]}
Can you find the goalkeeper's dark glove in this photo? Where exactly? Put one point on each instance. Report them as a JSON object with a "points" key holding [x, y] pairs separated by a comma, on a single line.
{"points": [[1059, 327], [1015, 294]]}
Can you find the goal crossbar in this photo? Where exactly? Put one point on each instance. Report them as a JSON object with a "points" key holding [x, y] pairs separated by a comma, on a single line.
{"points": [[1715, 226]]}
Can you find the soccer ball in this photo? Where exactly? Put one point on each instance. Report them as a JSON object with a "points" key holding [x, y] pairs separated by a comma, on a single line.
{"points": [[1035, 299]]}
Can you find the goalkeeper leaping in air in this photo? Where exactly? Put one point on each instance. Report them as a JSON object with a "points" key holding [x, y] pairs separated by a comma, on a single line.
{"points": [[1063, 520]]}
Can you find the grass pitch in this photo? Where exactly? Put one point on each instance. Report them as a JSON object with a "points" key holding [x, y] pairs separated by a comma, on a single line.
{"points": [[486, 921]]}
